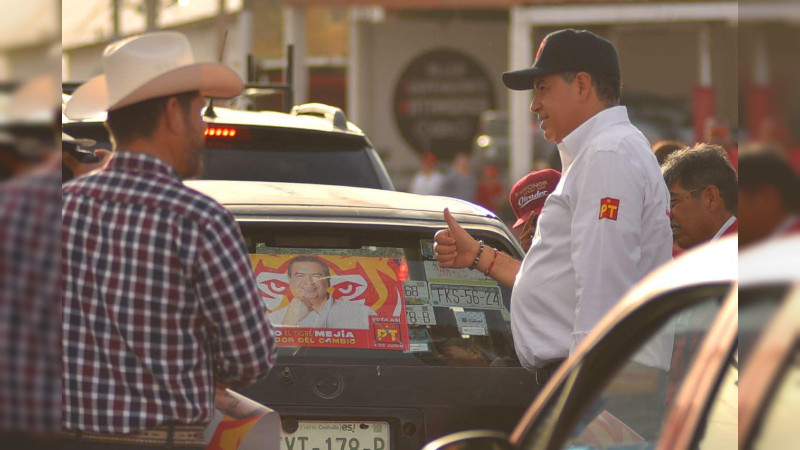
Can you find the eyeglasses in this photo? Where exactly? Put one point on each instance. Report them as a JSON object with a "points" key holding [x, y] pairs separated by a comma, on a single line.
{"points": [[674, 200], [313, 277]]}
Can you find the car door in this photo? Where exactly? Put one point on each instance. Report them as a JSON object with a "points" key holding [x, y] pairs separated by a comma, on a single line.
{"points": [[618, 393]]}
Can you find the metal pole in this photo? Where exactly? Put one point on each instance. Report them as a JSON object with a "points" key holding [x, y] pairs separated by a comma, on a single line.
{"points": [[519, 102], [115, 18], [151, 7], [288, 99]]}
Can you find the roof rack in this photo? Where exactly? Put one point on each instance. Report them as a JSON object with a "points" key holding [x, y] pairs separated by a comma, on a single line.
{"points": [[332, 114]]}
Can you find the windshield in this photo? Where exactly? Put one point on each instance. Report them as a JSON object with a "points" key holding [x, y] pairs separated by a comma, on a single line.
{"points": [[357, 296]]}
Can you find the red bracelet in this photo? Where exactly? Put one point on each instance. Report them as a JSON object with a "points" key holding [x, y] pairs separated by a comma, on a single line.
{"points": [[491, 264]]}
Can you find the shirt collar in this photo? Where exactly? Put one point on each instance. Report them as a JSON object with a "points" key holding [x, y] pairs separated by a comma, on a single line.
{"points": [[724, 227], [135, 162], [574, 143]]}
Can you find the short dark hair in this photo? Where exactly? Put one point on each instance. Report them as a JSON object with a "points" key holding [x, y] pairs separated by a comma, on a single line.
{"points": [[663, 148], [700, 166], [764, 168], [308, 258], [608, 89], [140, 120]]}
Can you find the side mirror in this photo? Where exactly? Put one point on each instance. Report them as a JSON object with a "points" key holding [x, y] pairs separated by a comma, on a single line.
{"points": [[471, 440]]}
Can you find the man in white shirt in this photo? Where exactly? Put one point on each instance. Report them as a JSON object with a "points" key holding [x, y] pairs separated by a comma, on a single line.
{"points": [[605, 225], [703, 194], [312, 306]]}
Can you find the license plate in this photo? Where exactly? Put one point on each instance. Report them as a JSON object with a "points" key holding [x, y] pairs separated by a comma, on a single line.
{"points": [[337, 436], [465, 296]]}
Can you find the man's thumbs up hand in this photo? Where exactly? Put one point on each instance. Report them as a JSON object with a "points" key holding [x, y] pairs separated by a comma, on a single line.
{"points": [[453, 246]]}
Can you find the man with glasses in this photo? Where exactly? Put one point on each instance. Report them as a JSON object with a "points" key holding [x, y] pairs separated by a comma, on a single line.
{"points": [[703, 194], [312, 305], [604, 226]]}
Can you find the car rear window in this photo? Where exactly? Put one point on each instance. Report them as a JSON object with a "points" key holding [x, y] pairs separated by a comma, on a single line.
{"points": [[274, 154], [293, 164], [287, 155], [402, 308]]}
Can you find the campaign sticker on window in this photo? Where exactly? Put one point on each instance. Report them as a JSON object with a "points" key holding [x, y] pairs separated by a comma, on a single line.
{"points": [[416, 292], [426, 247], [420, 315], [418, 340], [434, 273], [466, 296], [323, 300], [388, 333], [471, 323]]}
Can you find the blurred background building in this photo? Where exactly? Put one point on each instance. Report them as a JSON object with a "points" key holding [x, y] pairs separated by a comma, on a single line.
{"points": [[424, 75]]}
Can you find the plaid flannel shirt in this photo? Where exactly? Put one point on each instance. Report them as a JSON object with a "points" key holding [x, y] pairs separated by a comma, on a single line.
{"points": [[159, 299], [30, 318]]}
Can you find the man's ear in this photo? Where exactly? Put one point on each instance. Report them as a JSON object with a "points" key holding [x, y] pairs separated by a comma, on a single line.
{"points": [[712, 198], [174, 116], [584, 84]]}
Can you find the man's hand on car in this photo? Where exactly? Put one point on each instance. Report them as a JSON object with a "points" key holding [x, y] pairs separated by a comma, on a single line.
{"points": [[453, 247]]}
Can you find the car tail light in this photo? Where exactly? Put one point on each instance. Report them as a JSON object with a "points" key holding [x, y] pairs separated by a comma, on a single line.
{"points": [[402, 270], [223, 132]]}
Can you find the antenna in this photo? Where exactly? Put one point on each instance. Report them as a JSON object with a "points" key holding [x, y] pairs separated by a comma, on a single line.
{"points": [[209, 112]]}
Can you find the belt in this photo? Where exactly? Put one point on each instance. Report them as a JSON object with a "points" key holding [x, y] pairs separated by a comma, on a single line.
{"points": [[161, 436], [543, 374]]}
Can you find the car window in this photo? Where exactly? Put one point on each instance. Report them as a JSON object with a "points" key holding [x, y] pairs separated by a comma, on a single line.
{"points": [[756, 308], [247, 153], [779, 424], [343, 166], [386, 299], [634, 401], [617, 395]]}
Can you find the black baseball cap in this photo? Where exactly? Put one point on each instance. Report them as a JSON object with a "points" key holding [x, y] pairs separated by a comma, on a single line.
{"points": [[568, 51]]}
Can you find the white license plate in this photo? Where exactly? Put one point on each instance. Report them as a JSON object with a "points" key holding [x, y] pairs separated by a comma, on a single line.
{"points": [[337, 436], [466, 296]]}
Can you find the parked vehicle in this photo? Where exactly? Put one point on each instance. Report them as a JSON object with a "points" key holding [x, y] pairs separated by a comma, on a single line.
{"points": [[314, 143], [431, 354], [663, 347], [695, 301]]}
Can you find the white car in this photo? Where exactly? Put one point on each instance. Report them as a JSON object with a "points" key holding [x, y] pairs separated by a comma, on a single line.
{"points": [[615, 392]]}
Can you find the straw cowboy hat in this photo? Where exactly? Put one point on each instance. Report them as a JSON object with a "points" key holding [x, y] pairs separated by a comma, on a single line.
{"points": [[35, 102], [147, 66]]}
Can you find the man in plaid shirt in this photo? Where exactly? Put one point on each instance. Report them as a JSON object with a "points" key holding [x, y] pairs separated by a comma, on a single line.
{"points": [[159, 298], [29, 315], [30, 319]]}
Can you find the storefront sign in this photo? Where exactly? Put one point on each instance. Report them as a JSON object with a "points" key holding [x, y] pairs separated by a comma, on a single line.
{"points": [[438, 99]]}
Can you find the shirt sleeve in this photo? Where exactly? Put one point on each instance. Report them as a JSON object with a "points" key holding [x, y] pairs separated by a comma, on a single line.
{"points": [[606, 236], [242, 338]]}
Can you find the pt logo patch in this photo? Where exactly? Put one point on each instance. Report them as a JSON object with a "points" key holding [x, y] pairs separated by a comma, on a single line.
{"points": [[609, 208]]}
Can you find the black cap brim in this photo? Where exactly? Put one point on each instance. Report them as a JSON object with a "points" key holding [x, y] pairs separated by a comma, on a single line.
{"points": [[522, 80]]}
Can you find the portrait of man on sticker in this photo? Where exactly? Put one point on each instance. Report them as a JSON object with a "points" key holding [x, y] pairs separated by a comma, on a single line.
{"points": [[312, 305]]}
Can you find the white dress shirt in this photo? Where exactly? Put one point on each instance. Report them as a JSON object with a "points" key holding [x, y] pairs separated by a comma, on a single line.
{"points": [[583, 258], [334, 314]]}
